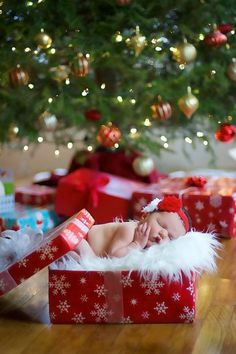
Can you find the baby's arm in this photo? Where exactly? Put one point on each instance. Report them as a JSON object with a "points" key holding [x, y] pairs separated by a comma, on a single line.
{"points": [[121, 244], [84, 249]]}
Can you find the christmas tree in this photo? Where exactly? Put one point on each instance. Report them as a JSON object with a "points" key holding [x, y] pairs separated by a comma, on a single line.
{"points": [[117, 73]]}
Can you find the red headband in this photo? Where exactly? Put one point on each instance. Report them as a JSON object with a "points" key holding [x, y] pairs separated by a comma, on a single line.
{"points": [[173, 204]]}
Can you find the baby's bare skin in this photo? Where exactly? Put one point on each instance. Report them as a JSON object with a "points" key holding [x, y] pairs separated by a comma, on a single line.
{"points": [[117, 239]]}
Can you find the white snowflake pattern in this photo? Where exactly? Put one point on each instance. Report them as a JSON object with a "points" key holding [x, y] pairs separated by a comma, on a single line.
{"points": [[59, 285], [187, 315], [198, 220], [210, 214], [2, 285], [199, 205], [47, 251], [191, 288], [63, 306], [142, 202], [215, 200], [145, 315], [126, 320], [100, 290], [78, 318], [126, 281], [133, 302], [223, 224], [176, 296], [101, 312], [84, 298], [53, 315], [211, 227], [83, 280], [152, 286], [23, 263], [161, 308]]}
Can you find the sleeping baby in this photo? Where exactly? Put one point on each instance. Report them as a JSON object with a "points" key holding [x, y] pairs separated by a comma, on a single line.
{"points": [[164, 220]]}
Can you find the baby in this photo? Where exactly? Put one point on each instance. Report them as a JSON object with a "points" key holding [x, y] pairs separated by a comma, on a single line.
{"points": [[164, 220]]}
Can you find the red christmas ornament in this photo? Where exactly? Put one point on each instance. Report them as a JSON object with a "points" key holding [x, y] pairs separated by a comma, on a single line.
{"points": [[225, 133], [80, 66], [94, 115], [196, 181], [18, 77], [215, 39], [170, 203], [225, 28], [161, 110], [108, 135]]}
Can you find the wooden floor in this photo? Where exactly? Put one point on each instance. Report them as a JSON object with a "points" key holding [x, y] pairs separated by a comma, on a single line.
{"points": [[25, 328]]}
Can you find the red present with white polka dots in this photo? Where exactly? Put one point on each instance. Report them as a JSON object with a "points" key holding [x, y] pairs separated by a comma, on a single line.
{"points": [[35, 195], [211, 207], [77, 296]]}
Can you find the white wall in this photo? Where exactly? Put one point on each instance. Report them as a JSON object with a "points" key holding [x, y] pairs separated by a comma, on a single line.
{"points": [[43, 159]]}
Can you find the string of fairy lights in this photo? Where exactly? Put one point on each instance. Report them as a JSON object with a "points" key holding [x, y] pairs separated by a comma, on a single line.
{"points": [[184, 54]]}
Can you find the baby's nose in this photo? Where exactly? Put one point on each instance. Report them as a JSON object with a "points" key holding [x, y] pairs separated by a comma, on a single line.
{"points": [[163, 233]]}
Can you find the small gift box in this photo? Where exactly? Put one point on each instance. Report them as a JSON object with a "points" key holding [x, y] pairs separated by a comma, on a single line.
{"points": [[52, 246], [6, 190], [157, 285], [35, 195], [210, 201], [105, 196], [24, 216]]}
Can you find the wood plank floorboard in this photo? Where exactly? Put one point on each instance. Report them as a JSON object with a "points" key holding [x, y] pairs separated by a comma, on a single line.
{"points": [[25, 326]]}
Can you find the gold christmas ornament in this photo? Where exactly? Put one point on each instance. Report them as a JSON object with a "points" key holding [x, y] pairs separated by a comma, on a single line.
{"points": [[79, 65], [12, 132], [188, 104], [43, 40], [137, 42], [47, 122], [60, 73], [185, 53], [161, 110], [18, 77], [108, 135], [231, 70], [143, 165]]}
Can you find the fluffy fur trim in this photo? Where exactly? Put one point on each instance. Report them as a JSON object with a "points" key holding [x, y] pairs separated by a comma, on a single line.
{"points": [[195, 253], [151, 206]]}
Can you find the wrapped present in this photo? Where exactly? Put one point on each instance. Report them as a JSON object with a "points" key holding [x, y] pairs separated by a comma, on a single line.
{"points": [[6, 190], [157, 286], [210, 201], [52, 246], [35, 195], [105, 196], [25, 216]]}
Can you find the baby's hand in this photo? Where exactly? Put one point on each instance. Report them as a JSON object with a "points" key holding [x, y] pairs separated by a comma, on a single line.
{"points": [[141, 234]]}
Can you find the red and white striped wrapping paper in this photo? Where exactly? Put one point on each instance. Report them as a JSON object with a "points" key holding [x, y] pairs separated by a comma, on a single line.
{"points": [[55, 244], [117, 297]]}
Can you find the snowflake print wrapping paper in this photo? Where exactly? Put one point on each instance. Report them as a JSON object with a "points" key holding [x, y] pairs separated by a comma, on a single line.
{"points": [[54, 245], [211, 207]]}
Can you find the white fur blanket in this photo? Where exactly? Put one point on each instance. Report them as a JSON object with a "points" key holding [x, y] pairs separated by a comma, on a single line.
{"points": [[195, 252]]}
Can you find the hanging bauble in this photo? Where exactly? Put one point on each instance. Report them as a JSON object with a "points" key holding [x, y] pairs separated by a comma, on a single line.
{"points": [[225, 28], [12, 132], [79, 65], [60, 73], [231, 70], [143, 165], [161, 110], [18, 77], [108, 135], [137, 42], [185, 53], [93, 114], [225, 133], [123, 2], [188, 104], [43, 40], [47, 122], [215, 39]]}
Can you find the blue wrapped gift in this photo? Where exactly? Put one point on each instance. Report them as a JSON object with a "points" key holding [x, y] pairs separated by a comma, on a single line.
{"points": [[25, 216]]}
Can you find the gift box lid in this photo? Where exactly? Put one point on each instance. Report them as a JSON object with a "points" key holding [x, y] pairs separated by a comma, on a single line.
{"points": [[54, 245], [35, 190]]}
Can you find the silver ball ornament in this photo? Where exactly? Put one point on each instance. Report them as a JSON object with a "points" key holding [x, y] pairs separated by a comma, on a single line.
{"points": [[143, 165]]}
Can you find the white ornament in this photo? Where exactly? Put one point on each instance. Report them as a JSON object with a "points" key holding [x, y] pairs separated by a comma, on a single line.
{"points": [[143, 165]]}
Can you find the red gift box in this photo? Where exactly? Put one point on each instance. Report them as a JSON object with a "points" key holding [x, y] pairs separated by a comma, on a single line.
{"points": [[54, 245], [117, 297], [105, 196], [211, 207], [35, 195]]}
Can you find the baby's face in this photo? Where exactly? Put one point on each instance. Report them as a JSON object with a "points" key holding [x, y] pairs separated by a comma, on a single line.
{"points": [[164, 226]]}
